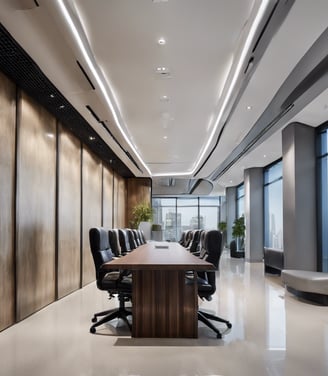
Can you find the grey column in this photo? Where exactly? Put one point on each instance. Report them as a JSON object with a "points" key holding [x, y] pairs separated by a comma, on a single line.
{"points": [[230, 210], [253, 183], [299, 197]]}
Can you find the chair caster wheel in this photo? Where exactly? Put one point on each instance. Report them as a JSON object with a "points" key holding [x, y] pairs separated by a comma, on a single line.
{"points": [[92, 330], [219, 336], [94, 319], [229, 325]]}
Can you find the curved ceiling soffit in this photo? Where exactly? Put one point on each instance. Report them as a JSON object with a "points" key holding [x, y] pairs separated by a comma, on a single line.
{"points": [[308, 79], [276, 15]]}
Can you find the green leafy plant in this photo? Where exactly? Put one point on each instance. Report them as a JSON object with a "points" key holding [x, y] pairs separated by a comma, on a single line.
{"points": [[238, 231], [222, 226], [141, 213], [156, 227], [238, 228]]}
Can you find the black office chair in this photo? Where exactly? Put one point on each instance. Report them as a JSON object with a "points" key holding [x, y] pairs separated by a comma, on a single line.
{"points": [[114, 242], [132, 240], [137, 238], [193, 246], [124, 241], [142, 237], [206, 281], [115, 282]]}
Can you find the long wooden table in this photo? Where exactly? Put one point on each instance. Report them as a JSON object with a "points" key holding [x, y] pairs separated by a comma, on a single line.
{"points": [[163, 304]]}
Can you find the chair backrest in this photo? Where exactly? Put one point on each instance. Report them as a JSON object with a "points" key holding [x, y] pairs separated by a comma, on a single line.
{"points": [[213, 239], [201, 245], [124, 241], [100, 249], [114, 242], [193, 247], [141, 237], [132, 241], [136, 237]]}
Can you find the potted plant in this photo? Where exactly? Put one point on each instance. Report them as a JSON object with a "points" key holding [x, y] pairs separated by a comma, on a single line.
{"points": [[238, 232], [141, 213], [156, 232]]}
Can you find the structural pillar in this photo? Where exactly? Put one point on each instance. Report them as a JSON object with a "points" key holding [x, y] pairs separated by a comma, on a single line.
{"points": [[299, 197], [230, 210], [253, 183]]}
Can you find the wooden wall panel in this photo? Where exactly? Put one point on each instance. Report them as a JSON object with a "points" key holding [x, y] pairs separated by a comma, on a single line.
{"points": [[7, 174], [138, 191], [91, 209], [69, 213], [36, 183], [119, 202], [107, 198]]}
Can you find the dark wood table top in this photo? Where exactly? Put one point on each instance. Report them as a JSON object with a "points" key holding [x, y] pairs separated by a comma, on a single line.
{"points": [[159, 256]]}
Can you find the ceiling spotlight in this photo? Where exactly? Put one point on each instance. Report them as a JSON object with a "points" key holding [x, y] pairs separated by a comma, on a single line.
{"points": [[165, 137], [91, 138], [161, 41], [164, 98], [249, 108], [163, 71], [61, 107], [52, 95]]}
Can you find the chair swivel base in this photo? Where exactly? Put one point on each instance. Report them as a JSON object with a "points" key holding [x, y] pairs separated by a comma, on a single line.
{"points": [[118, 313], [205, 318]]}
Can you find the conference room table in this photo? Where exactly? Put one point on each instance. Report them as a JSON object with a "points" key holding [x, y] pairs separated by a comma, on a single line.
{"points": [[163, 303]]}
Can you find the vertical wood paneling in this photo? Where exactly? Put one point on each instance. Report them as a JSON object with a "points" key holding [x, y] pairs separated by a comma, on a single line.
{"points": [[36, 187], [7, 174], [115, 201], [107, 198], [69, 212], [121, 202], [91, 209], [138, 191]]}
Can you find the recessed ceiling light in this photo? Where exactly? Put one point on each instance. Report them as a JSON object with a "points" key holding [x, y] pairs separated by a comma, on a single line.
{"points": [[91, 138], [163, 71], [161, 41], [165, 137], [164, 98], [160, 1], [61, 107], [52, 95], [249, 108], [264, 156]]}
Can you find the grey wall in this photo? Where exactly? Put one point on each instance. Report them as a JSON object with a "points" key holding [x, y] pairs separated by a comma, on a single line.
{"points": [[253, 183]]}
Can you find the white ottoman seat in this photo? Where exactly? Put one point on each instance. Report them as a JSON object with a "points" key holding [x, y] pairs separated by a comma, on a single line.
{"points": [[307, 284]]}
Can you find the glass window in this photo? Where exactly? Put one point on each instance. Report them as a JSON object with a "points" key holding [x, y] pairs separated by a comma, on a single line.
{"points": [[240, 200], [322, 161], [273, 216], [209, 201], [178, 214], [208, 217], [187, 202]]}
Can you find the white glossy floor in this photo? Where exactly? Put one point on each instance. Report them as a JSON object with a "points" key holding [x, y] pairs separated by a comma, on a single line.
{"points": [[273, 334]]}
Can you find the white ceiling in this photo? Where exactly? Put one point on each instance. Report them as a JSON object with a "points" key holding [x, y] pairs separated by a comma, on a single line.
{"points": [[204, 40]]}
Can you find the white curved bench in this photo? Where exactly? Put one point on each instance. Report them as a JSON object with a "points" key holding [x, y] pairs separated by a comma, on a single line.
{"points": [[307, 284]]}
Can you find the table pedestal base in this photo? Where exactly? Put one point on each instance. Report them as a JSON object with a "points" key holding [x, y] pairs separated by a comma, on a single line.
{"points": [[164, 305]]}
